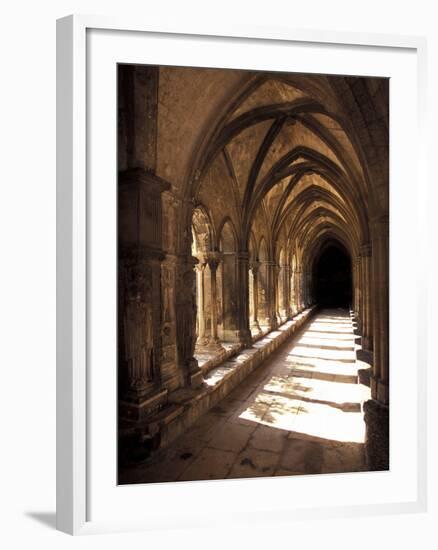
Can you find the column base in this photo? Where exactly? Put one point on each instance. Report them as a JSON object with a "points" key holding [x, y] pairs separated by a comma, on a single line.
{"points": [[196, 379], [202, 344], [136, 408], [213, 346], [273, 322], [376, 416], [245, 338], [266, 323]]}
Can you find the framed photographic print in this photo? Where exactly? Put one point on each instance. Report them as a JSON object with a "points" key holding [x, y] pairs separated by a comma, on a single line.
{"points": [[232, 275]]}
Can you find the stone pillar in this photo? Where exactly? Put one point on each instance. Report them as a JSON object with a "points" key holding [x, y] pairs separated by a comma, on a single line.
{"points": [[376, 410], [285, 306], [140, 246], [254, 267], [140, 299], [293, 292], [202, 339], [263, 295], [185, 292], [305, 288], [376, 418], [366, 320], [272, 294], [356, 291], [213, 261], [296, 307], [243, 330], [170, 375], [298, 287], [380, 265]]}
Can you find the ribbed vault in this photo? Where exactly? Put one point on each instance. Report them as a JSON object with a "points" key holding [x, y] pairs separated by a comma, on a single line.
{"points": [[292, 164]]}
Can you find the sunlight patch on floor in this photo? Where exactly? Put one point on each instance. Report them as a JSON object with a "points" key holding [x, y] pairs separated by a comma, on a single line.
{"points": [[315, 341], [323, 353], [317, 394]]}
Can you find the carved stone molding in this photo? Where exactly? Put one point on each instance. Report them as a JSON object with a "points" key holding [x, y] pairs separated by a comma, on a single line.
{"points": [[141, 177], [242, 256], [365, 250], [380, 226], [254, 266], [213, 258]]}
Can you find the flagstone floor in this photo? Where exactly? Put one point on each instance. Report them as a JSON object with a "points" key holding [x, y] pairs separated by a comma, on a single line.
{"points": [[298, 413]]}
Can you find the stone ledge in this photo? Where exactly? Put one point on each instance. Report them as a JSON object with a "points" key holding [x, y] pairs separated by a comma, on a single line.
{"points": [[219, 381], [208, 362], [186, 405]]}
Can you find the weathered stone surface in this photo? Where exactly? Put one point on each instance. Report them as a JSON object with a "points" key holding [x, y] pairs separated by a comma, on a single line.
{"points": [[377, 435], [210, 464], [254, 463], [246, 437], [267, 439], [244, 199]]}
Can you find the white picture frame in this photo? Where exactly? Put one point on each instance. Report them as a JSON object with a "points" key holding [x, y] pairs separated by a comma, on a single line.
{"points": [[75, 218]]}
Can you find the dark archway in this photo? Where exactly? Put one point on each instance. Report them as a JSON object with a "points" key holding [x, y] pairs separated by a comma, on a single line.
{"points": [[332, 277]]}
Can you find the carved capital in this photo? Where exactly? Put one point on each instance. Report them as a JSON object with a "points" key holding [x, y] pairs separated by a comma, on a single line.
{"points": [[213, 259], [202, 262], [171, 199], [254, 266], [365, 250], [242, 256]]}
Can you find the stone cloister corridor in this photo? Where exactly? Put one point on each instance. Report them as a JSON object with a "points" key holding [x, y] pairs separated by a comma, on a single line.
{"points": [[299, 413], [253, 269]]}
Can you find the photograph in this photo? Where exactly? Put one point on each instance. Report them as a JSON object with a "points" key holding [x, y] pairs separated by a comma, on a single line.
{"points": [[219, 225], [253, 273]]}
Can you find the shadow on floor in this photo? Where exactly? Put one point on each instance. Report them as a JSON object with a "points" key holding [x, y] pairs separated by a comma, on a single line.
{"points": [[291, 416]]}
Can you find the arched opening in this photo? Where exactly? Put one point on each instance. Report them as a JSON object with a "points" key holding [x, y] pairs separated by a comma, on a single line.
{"points": [[332, 277]]}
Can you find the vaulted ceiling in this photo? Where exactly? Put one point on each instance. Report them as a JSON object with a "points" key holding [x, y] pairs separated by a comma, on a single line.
{"points": [[289, 158]]}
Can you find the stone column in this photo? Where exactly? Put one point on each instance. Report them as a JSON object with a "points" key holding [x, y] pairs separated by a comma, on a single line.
{"points": [[272, 294], [298, 286], [380, 263], [263, 295], [366, 328], [140, 247], [356, 291], [296, 291], [140, 294], [254, 267], [286, 310], [376, 279], [213, 261], [202, 339], [293, 293], [375, 336], [185, 292], [243, 331], [305, 288]]}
